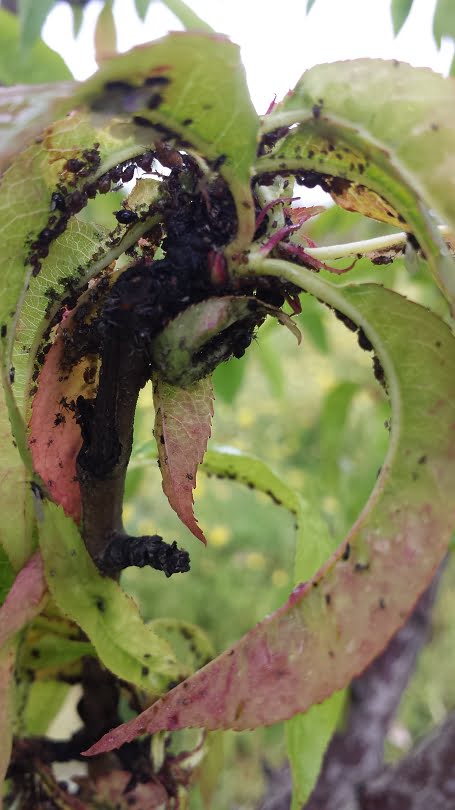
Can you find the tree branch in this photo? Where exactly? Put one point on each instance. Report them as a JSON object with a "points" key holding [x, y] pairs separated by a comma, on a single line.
{"points": [[423, 779]]}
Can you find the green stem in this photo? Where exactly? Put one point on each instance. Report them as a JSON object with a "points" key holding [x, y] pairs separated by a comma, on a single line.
{"points": [[283, 119], [189, 20], [390, 241]]}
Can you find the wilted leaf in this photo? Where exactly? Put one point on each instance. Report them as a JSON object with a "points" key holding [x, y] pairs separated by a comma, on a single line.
{"points": [[322, 637], [385, 127], [101, 608], [182, 429]]}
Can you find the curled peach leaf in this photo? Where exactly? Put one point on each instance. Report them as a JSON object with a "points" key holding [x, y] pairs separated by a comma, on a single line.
{"points": [[333, 625]]}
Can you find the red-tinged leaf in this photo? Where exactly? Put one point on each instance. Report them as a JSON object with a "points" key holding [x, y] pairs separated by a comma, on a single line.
{"points": [[331, 627], [25, 599], [7, 659], [182, 430], [55, 437]]}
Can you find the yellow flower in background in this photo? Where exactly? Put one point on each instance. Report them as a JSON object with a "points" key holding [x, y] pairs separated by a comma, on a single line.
{"points": [[255, 560], [280, 578], [246, 417], [219, 535]]}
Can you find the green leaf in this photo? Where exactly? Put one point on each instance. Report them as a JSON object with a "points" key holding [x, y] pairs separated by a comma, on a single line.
{"points": [[105, 34], [78, 19], [16, 537], [307, 735], [38, 64], [307, 738], [44, 701], [191, 644], [321, 638], [271, 365], [23, 114], [443, 21], [309, 5], [228, 377], [142, 7], [211, 768], [400, 10], [334, 415], [6, 575], [110, 618], [228, 462], [83, 248], [199, 338], [452, 67], [51, 652], [313, 324], [32, 15], [189, 20], [219, 120], [379, 128]]}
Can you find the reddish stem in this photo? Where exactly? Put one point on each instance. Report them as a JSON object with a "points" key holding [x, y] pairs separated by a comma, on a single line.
{"points": [[278, 201]]}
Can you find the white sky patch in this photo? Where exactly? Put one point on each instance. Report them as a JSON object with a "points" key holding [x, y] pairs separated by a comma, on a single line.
{"points": [[278, 40]]}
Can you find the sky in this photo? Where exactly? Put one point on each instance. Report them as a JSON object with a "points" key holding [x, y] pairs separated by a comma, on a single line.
{"points": [[278, 40]]}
